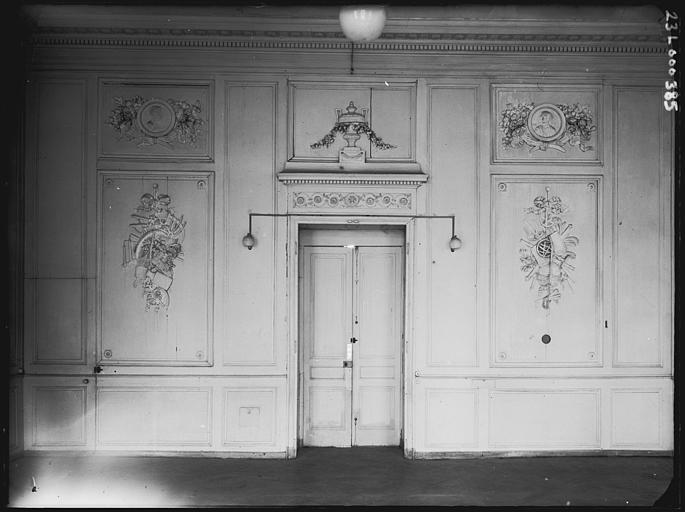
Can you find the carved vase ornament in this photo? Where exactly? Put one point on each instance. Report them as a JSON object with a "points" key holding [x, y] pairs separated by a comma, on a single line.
{"points": [[547, 126], [155, 121], [153, 247], [351, 124], [546, 252]]}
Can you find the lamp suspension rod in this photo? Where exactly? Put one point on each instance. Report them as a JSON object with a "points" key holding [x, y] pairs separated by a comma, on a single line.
{"points": [[452, 217], [352, 58]]}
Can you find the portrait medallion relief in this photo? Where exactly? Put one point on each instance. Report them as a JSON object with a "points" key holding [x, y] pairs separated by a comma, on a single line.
{"points": [[156, 118], [555, 123], [546, 122]]}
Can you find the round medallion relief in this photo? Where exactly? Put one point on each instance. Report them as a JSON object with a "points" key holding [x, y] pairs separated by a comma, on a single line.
{"points": [[546, 122], [156, 118]]}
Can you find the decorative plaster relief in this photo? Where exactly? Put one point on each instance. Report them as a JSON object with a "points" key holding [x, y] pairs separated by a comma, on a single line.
{"points": [[318, 121], [148, 122], [153, 246], [351, 124], [170, 264], [546, 302], [546, 249], [351, 200], [155, 120], [546, 124]]}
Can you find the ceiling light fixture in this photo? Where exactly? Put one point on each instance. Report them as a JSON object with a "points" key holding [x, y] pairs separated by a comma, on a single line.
{"points": [[362, 23]]}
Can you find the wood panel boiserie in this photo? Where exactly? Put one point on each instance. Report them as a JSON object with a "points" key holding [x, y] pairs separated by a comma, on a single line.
{"points": [[545, 266], [250, 340], [58, 413], [641, 230], [133, 329], [149, 416], [55, 240], [452, 275], [552, 419], [16, 416], [491, 359], [156, 120], [559, 124], [390, 112]]}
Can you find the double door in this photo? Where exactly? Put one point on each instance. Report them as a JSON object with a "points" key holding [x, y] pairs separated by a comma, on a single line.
{"points": [[351, 302]]}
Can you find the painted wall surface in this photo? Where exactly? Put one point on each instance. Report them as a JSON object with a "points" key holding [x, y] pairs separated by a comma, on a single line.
{"points": [[549, 329]]}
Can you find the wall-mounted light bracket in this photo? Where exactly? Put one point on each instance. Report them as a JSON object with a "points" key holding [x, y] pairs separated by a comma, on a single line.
{"points": [[249, 241]]}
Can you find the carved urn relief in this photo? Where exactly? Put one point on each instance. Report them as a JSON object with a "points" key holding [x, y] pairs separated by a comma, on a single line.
{"points": [[351, 123], [363, 126]]}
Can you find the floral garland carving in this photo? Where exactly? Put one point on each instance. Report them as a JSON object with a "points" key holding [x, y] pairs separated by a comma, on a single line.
{"points": [[547, 248], [183, 125], [154, 245], [575, 131], [357, 128], [351, 200]]}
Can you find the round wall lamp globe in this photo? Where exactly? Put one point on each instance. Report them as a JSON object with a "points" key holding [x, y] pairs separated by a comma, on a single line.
{"points": [[248, 241], [362, 22], [455, 243]]}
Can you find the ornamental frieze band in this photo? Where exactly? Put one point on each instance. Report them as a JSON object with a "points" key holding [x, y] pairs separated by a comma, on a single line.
{"points": [[351, 200]]}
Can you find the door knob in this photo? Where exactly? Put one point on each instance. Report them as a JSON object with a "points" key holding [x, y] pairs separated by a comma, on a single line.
{"points": [[347, 364]]}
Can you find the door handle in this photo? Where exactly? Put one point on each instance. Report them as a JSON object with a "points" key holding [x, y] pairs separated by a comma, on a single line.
{"points": [[347, 364]]}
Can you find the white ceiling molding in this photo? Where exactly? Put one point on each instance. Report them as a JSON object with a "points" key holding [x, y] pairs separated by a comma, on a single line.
{"points": [[467, 29]]}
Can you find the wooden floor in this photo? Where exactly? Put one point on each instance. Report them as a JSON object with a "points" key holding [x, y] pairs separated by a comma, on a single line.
{"points": [[331, 476]]}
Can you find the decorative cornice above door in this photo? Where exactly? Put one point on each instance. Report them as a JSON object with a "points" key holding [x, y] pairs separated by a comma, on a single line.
{"points": [[320, 178], [352, 193]]}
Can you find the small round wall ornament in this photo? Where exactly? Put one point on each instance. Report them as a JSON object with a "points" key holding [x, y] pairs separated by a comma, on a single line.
{"points": [[156, 118], [546, 122]]}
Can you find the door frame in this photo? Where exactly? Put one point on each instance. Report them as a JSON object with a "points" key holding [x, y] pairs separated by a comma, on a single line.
{"points": [[293, 373]]}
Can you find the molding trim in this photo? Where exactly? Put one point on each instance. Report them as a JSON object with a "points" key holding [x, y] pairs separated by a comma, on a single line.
{"points": [[333, 40], [351, 179], [345, 200], [542, 453]]}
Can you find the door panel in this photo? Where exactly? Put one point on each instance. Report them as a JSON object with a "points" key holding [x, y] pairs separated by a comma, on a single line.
{"points": [[327, 309], [351, 293], [377, 327]]}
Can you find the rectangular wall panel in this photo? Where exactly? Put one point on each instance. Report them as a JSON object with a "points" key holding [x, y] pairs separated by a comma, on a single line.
{"points": [[59, 416], [544, 420], [545, 270], [546, 124], [156, 120], [450, 419], [55, 200], [636, 418], [144, 416], [641, 265], [249, 418], [16, 416], [156, 304], [446, 415], [250, 281], [392, 116], [314, 109], [59, 334], [55, 231], [452, 275]]}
